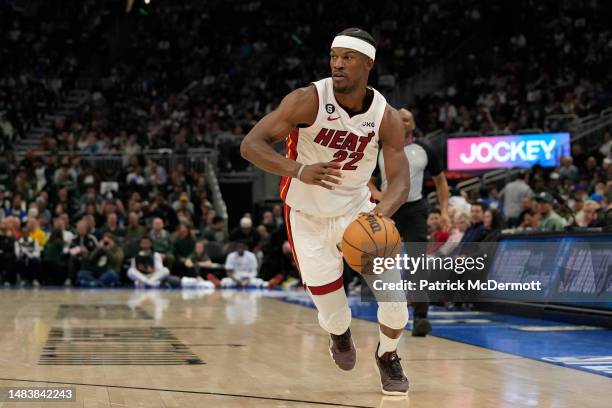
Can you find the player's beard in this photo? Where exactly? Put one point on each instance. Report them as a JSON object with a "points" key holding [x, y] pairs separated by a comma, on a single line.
{"points": [[346, 89]]}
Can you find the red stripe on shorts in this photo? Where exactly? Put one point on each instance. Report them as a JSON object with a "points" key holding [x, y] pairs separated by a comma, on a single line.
{"points": [[328, 288], [290, 236]]}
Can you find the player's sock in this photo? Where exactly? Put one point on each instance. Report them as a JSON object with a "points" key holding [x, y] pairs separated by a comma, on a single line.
{"points": [[387, 344]]}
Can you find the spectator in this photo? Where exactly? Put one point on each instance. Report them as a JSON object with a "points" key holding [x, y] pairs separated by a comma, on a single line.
{"points": [[590, 214], [112, 226], [476, 231], [436, 236], [458, 201], [54, 257], [182, 205], [156, 171], [82, 245], [277, 212], [27, 253], [162, 242], [567, 169], [7, 255], [514, 197], [493, 224], [241, 268], [216, 231], [198, 262], [17, 209], [245, 233], [182, 247], [103, 264], [134, 230], [35, 232], [148, 271], [551, 221], [461, 223]]}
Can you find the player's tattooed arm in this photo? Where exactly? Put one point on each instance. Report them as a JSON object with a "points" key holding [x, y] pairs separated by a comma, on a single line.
{"points": [[396, 163], [299, 108]]}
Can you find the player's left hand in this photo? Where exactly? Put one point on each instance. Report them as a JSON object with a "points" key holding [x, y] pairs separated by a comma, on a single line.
{"points": [[377, 212]]}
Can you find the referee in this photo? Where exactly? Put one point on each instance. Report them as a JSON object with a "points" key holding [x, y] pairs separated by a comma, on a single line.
{"points": [[411, 217]]}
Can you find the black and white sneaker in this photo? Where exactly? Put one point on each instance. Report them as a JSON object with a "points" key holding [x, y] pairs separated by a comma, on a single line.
{"points": [[342, 350], [392, 378]]}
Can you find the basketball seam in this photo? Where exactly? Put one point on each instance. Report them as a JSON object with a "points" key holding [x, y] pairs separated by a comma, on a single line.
{"points": [[371, 237], [385, 226], [399, 240], [360, 250]]}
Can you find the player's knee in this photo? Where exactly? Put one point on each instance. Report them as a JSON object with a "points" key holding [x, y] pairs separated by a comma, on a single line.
{"points": [[337, 321], [393, 314]]}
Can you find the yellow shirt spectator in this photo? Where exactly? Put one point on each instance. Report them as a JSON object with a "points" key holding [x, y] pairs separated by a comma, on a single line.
{"points": [[39, 236]]}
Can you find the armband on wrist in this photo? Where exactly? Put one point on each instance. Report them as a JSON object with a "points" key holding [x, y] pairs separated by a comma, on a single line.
{"points": [[300, 171]]}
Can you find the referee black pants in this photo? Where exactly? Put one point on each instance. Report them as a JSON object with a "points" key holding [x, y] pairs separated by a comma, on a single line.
{"points": [[411, 222]]}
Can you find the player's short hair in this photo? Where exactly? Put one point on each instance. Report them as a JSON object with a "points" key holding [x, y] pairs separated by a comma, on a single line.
{"points": [[359, 33]]}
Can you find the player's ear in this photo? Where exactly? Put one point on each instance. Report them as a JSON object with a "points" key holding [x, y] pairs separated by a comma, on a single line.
{"points": [[369, 63]]}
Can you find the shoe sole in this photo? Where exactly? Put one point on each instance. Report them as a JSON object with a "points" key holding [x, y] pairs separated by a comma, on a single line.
{"points": [[332, 357]]}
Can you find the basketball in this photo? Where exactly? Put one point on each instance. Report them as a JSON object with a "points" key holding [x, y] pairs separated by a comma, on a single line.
{"points": [[369, 236]]}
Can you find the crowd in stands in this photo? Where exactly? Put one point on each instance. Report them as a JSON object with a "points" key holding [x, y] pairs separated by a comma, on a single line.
{"points": [[176, 75], [145, 60], [554, 58], [575, 196], [66, 221]]}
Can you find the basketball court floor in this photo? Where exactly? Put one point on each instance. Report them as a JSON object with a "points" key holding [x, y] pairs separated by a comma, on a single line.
{"points": [[126, 348]]}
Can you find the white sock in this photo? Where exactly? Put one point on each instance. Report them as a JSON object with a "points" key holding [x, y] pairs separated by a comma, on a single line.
{"points": [[387, 344]]}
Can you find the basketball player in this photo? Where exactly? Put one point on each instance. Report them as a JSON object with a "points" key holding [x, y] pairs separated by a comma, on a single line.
{"points": [[411, 217], [335, 126]]}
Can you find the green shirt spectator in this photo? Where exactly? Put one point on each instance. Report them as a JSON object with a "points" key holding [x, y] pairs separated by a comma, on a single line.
{"points": [[551, 221], [183, 243]]}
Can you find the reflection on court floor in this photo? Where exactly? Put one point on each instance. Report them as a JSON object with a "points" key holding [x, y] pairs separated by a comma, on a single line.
{"points": [[125, 348]]}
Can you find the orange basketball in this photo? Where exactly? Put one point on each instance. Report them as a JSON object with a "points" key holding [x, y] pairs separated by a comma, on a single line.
{"points": [[368, 237]]}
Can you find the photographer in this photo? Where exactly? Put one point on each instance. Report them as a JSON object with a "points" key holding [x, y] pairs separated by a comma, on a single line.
{"points": [[103, 265]]}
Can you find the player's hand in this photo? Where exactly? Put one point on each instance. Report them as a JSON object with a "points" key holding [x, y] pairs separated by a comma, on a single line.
{"points": [[325, 175], [376, 211], [445, 222], [377, 195]]}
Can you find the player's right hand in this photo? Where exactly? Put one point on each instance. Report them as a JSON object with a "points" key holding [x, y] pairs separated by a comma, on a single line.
{"points": [[322, 174]]}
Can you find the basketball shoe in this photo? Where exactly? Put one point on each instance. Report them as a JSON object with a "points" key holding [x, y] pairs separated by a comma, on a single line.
{"points": [[392, 378], [342, 350]]}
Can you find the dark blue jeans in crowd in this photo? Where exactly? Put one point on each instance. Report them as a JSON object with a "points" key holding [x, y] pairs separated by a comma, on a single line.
{"points": [[88, 278]]}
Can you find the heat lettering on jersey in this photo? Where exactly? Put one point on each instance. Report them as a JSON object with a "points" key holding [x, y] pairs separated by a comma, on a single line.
{"points": [[347, 144]]}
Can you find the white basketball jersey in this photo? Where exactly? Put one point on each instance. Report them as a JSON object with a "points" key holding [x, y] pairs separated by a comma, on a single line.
{"points": [[335, 136]]}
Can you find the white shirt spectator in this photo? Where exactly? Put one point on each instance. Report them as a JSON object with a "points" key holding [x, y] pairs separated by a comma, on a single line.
{"points": [[244, 266], [152, 280], [512, 195]]}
